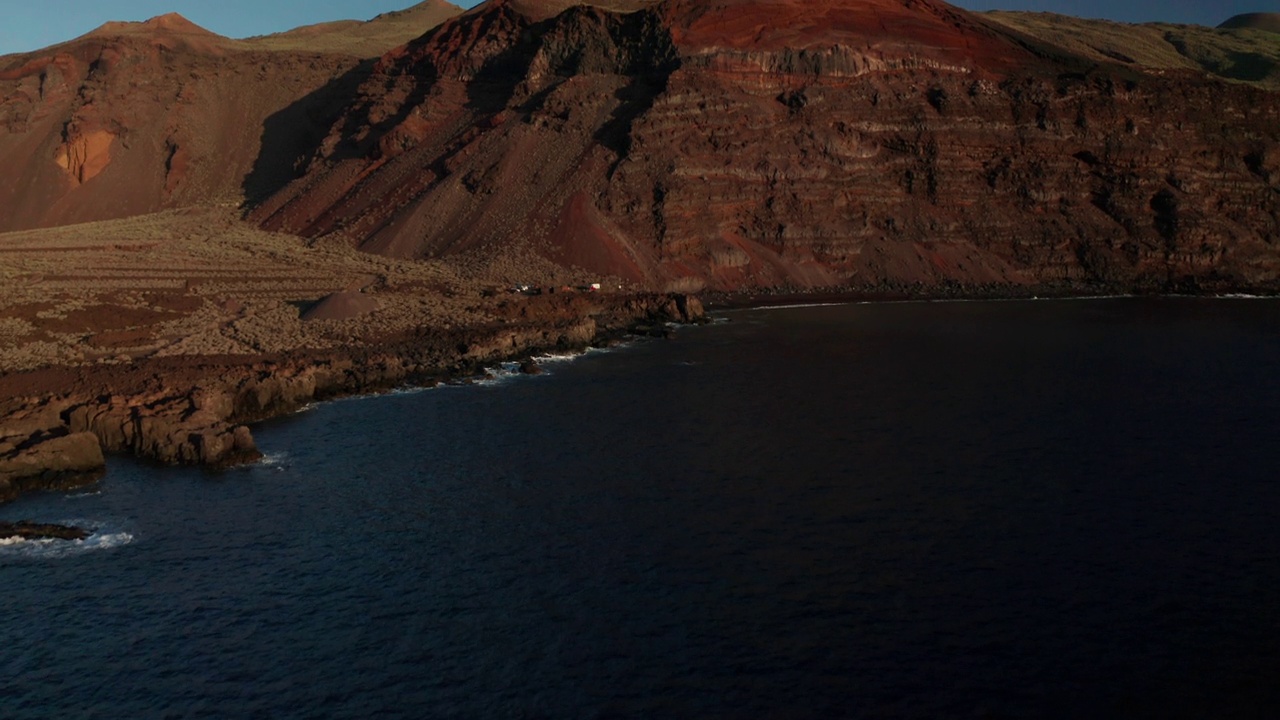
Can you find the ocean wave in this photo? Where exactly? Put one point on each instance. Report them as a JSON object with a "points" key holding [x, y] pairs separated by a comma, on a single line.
{"points": [[409, 390], [83, 495], [498, 375], [803, 305], [550, 358], [506, 372], [103, 539], [278, 460]]}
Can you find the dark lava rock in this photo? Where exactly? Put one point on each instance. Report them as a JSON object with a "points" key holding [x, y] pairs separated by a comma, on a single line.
{"points": [[36, 531], [530, 367]]}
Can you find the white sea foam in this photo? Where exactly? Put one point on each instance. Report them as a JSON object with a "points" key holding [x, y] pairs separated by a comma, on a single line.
{"points": [[499, 375], [558, 357], [510, 371], [571, 356], [410, 390], [278, 460], [83, 495], [804, 305], [103, 539]]}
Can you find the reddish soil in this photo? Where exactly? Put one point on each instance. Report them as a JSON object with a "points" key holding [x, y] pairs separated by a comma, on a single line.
{"points": [[138, 117], [341, 306], [922, 30]]}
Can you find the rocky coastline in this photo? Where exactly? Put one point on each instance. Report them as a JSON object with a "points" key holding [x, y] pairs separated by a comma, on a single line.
{"points": [[59, 423]]}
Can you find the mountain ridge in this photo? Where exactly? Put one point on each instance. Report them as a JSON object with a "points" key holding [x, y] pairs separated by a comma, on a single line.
{"points": [[676, 144], [137, 117], [933, 138], [1267, 21]]}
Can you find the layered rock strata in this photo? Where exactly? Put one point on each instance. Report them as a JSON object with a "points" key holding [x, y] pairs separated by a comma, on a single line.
{"points": [[754, 144]]}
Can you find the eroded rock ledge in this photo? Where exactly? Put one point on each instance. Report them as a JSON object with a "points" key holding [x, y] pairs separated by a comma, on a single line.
{"points": [[41, 531], [196, 410]]}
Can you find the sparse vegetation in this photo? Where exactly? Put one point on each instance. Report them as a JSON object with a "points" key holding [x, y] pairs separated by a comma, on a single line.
{"points": [[360, 39], [201, 282], [1246, 54]]}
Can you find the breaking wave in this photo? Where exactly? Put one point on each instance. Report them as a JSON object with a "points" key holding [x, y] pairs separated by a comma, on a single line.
{"points": [[83, 495], [278, 461], [508, 371], [106, 538]]}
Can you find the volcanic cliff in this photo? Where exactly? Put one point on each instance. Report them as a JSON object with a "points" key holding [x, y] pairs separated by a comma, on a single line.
{"points": [[743, 143], [137, 117]]}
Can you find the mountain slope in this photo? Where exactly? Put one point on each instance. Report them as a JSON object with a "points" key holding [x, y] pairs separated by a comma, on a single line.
{"points": [[1268, 22], [749, 143], [361, 39], [136, 117], [1238, 51]]}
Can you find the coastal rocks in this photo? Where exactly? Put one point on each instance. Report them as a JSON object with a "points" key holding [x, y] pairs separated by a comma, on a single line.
{"points": [[688, 309], [45, 461], [192, 412], [169, 430], [40, 531], [179, 427]]}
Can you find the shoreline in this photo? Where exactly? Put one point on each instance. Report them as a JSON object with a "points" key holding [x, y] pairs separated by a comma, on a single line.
{"points": [[757, 299], [61, 422]]}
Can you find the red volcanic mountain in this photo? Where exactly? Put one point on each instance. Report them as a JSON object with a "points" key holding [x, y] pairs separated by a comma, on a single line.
{"points": [[674, 143], [136, 117], [777, 142]]}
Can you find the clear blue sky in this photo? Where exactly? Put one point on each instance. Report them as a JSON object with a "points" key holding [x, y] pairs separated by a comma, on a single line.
{"points": [[31, 24]]}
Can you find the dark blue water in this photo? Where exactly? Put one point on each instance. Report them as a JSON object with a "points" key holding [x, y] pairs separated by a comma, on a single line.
{"points": [[1050, 509]]}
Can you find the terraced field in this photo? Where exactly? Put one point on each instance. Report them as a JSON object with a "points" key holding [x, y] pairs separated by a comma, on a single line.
{"points": [[200, 282]]}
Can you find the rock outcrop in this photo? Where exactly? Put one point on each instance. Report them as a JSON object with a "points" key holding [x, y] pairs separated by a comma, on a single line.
{"points": [[844, 143], [37, 451], [41, 531], [196, 410]]}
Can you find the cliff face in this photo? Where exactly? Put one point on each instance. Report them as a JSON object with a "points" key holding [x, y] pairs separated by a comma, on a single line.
{"points": [[684, 144], [138, 117]]}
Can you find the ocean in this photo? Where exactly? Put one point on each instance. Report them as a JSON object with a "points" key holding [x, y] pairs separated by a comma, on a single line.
{"points": [[985, 509]]}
